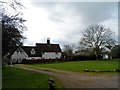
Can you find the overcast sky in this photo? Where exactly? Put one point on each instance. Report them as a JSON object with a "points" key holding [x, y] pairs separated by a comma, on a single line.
{"points": [[63, 22]]}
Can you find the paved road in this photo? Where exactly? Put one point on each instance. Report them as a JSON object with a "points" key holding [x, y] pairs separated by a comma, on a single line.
{"points": [[80, 80]]}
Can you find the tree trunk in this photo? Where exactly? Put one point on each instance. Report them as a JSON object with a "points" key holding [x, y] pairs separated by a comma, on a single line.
{"points": [[96, 57], [96, 54]]}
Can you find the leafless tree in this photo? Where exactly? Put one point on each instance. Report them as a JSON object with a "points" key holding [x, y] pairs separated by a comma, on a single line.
{"points": [[68, 49], [14, 4], [97, 37], [11, 14], [11, 17]]}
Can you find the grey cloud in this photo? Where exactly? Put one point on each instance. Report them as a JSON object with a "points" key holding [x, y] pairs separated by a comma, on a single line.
{"points": [[92, 12], [47, 5], [56, 18]]}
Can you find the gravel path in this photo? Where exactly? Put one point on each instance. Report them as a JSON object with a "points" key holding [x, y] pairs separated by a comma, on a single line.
{"points": [[80, 80]]}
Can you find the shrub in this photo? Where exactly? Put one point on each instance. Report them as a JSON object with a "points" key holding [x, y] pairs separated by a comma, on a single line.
{"points": [[83, 57]]}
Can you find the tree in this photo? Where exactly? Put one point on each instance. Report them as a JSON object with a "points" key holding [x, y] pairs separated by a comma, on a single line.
{"points": [[68, 49], [12, 26], [97, 37], [11, 37], [14, 4]]}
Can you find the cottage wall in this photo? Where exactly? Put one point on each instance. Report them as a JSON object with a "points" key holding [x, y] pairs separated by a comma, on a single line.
{"points": [[18, 56], [51, 55]]}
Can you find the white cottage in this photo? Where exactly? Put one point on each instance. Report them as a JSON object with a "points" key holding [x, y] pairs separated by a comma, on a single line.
{"points": [[23, 52], [49, 51], [18, 55], [40, 51]]}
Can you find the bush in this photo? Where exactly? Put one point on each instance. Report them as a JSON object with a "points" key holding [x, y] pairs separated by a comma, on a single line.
{"points": [[83, 57], [31, 61]]}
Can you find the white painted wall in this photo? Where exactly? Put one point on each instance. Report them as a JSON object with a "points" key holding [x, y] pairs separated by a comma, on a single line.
{"points": [[33, 58], [51, 55], [105, 57], [19, 56]]}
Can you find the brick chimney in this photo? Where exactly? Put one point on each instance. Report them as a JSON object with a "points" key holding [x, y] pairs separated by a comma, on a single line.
{"points": [[48, 40]]}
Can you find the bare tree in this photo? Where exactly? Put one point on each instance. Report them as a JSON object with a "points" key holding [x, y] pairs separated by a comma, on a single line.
{"points": [[97, 37], [14, 4], [12, 24], [68, 49]]}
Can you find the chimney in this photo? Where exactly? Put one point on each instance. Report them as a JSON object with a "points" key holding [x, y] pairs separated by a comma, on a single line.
{"points": [[48, 40]]}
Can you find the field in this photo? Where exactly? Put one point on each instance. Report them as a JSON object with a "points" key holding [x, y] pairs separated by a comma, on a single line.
{"points": [[79, 66], [18, 78], [15, 77]]}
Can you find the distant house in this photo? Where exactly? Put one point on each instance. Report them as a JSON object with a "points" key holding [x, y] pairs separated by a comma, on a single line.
{"points": [[107, 52], [40, 51], [104, 54]]}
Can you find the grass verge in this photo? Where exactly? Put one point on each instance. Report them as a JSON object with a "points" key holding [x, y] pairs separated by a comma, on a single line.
{"points": [[18, 78], [79, 66]]}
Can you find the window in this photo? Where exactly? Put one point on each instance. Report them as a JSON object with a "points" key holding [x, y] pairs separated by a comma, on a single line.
{"points": [[21, 52], [33, 51]]}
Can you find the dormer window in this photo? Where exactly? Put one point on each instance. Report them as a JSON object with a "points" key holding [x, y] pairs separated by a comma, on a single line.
{"points": [[33, 51]]}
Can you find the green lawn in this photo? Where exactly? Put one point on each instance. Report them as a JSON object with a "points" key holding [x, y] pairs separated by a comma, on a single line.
{"points": [[79, 66], [18, 78]]}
